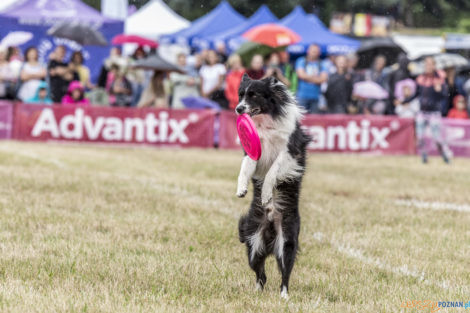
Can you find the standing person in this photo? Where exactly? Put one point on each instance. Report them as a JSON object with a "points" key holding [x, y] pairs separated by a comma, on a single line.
{"points": [[401, 73], [452, 90], [115, 57], [339, 90], [183, 85], [120, 89], [212, 77], [289, 71], [273, 68], [157, 93], [256, 69], [136, 76], [60, 75], [32, 73], [311, 75], [377, 75], [83, 72], [431, 92], [8, 79], [233, 80]]}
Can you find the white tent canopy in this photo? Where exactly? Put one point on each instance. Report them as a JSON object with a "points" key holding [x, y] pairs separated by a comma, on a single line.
{"points": [[6, 3], [154, 19]]}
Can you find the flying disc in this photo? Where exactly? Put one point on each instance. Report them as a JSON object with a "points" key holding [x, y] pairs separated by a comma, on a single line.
{"points": [[249, 137]]}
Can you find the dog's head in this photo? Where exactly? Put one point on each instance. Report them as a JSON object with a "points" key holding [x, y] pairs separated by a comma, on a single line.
{"points": [[265, 96]]}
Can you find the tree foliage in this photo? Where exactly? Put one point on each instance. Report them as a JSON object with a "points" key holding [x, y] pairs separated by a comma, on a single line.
{"points": [[419, 13]]}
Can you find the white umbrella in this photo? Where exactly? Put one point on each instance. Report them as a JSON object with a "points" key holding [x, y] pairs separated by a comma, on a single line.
{"points": [[16, 38], [369, 90], [443, 61]]}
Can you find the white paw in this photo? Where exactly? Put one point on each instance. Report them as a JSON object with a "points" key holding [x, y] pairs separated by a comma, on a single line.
{"points": [[266, 197], [284, 294], [241, 191], [258, 287]]}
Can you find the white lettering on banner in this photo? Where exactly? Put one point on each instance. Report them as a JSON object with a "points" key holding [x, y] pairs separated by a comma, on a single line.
{"points": [[350, 137], [148, 129]]}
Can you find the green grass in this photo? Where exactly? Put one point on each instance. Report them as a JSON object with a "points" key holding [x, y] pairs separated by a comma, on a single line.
{"points": [[99, 229]]}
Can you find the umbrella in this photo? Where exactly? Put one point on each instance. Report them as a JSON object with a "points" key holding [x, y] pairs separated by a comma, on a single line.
{"points": [[272, 35], [443, 61], [16, 38], [81, 33], [155, 62], [200, 103], [141, 41], [404, 83], [248, 49], [369, 90], [369, 49]]}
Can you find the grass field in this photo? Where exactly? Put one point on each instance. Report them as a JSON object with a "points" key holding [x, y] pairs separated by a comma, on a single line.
{"points": [[98, 229]]}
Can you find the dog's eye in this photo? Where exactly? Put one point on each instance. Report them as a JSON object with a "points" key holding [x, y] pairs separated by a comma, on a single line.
{"points": [[251, 94], [241, 94]]}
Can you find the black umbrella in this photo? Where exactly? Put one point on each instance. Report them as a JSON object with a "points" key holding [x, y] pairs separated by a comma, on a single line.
{"points": [[157, 63], [81, 33], [371, 48]]}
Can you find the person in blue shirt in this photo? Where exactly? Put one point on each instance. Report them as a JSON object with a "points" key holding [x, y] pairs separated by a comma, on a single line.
{"points": [[311, 73]]}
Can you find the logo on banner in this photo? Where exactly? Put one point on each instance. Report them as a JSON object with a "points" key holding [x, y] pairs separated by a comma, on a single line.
{"points": [[79, 126], [355, 136]]}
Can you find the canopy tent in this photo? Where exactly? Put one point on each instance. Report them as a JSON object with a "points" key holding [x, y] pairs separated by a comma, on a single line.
{"points": [[37, 16], [220, 19], [232, 37], [4, 4], [312, 30], [153, 20]]}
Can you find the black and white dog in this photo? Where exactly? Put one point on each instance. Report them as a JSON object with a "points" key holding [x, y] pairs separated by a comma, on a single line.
{"points": [[272, 223]]}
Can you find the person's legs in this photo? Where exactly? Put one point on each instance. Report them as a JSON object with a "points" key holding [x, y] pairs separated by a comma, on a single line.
{"points": [[436, 131], [420, 129]]}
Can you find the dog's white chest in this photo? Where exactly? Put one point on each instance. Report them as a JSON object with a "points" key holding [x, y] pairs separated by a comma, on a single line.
{"points": [[272, 143]]}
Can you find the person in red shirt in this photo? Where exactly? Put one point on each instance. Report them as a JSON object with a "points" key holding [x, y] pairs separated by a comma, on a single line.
{"points": [[459, 110], [233, 79]]}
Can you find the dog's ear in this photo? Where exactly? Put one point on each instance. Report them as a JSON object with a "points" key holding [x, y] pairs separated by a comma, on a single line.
{"points": [[245, 78], [271, 80]]}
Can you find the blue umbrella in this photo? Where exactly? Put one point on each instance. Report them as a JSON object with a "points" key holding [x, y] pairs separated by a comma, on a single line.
{"points": [[200, 103]]}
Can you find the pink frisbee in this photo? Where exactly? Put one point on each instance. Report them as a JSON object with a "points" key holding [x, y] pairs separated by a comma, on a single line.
{"points": [[249, 137]]}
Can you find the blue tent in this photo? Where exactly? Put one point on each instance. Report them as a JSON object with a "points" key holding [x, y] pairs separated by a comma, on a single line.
{"points": [[220, 19], [37, 16], [232, 37], [312, 30]]}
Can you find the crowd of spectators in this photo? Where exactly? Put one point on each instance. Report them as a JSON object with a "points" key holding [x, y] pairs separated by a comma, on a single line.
{"points": [[321, 85]]}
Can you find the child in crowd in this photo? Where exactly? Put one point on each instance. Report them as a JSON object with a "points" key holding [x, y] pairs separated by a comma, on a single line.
{"points": [[75, 95], [41, 96], [459, 111], [407, 109]]}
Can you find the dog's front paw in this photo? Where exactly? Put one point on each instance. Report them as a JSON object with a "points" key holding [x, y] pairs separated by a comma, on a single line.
{"points": [[266, 197], [241, 191]]}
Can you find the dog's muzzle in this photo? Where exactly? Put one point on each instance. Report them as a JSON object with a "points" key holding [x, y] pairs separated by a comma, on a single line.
{"points": [[241, 108]]}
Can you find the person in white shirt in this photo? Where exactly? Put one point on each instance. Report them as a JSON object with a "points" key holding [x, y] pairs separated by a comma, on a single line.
{"points": [[212, 76]]}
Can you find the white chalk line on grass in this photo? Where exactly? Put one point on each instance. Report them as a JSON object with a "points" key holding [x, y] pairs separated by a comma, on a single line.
{"points": [[403, 270], [34, 156], [438, 206]]}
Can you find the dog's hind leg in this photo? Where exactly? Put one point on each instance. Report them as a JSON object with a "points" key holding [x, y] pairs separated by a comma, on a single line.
{"points": [[285, 251], [257, 265]]}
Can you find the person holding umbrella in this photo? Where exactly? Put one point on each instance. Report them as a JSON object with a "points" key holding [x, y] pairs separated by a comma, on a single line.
{"points": [[311, 74]]}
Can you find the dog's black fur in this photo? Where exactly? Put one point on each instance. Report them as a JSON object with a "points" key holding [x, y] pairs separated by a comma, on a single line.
{"points": [[273, 227]]}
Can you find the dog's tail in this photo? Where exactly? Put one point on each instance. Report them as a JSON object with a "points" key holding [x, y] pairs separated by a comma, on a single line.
{"points": [[242, 228]]}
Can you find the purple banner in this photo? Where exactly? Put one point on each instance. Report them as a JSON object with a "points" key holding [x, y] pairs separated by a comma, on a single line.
{"points": [[456, 133], [6, 119]]}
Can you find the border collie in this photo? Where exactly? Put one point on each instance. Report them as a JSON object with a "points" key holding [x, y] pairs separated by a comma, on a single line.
{"points": [[272, 224]]}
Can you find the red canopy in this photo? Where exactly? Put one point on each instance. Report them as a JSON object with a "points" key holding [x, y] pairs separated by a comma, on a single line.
{"points": [[141, 41]]}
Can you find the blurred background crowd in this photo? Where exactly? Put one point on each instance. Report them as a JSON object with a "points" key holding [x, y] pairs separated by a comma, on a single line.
{"points": [[332, 84]]}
